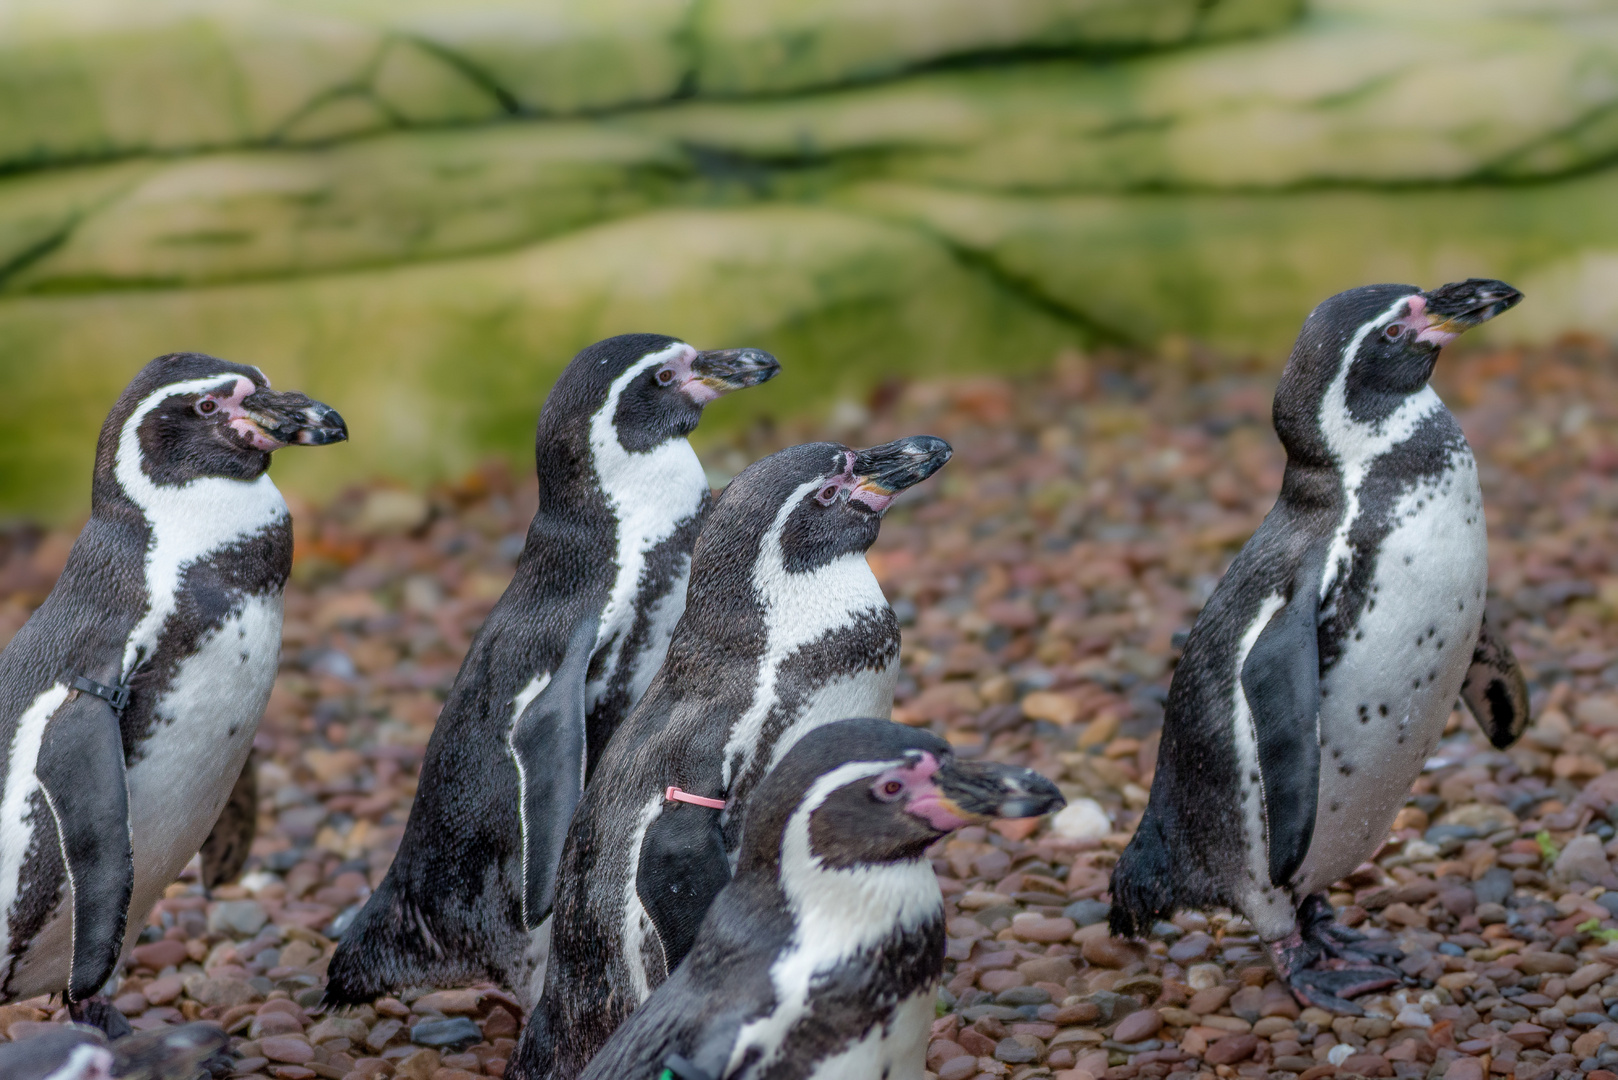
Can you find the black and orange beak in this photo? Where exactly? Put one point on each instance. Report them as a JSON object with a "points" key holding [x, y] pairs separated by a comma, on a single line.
{"points": [[288, 417]]}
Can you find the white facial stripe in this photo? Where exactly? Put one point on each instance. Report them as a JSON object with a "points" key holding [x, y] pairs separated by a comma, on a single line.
{"points": [[798, 609], [837, 913], [15, 833], [188, 521], [650, 493], [1356, 446]]}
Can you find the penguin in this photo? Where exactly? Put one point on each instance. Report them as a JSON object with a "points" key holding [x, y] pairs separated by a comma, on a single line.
{"points": [[75, 1052], [569, 647], [785, 629], [129, 700], [1319, 677], [821, 959]]}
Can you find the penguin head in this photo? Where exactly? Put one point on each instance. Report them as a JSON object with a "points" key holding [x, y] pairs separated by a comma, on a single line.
{"points": [[1382, 342], [868, 792], [823, 500], [186, 416], [655, 387]]}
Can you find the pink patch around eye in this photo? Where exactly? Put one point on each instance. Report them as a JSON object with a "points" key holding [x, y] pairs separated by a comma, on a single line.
{"points": [[875, 500]]}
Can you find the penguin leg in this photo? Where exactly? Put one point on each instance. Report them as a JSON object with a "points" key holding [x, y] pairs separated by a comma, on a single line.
{"points": [[100, 1013]]}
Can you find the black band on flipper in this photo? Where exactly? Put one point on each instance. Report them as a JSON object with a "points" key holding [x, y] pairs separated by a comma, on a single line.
{"points": [[681, 869], [1281, 682], [116, 696], [81, 771], [548, 744]]}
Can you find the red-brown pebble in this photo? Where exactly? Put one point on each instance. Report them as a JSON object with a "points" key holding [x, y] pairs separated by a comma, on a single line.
{"points": [[286, 1048], [1137, 1026], [1231, 1049]]}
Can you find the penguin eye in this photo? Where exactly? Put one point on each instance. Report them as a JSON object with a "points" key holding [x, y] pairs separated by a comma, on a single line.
{"points": [[206, 406], [665, 376], [826, 495], [889, 790], [1394, 330]]}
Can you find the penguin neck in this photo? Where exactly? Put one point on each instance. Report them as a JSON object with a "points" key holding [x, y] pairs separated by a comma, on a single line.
{"points": [[853, 909]]}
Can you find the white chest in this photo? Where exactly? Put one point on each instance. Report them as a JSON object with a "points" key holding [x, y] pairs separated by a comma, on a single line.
{"points": [[1390, 692], [895, 1050], [200, 740]]}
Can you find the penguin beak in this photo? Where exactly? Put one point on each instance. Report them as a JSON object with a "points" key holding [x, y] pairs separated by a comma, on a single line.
{"points": [[971, 792], [271, 419], [1450, 310], [881, 472], [719, 371]]}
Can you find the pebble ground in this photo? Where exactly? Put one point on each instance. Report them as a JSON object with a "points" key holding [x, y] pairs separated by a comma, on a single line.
{"points": [[1042, 579]]}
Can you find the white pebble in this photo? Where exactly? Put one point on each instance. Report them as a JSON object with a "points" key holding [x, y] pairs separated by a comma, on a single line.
{"points": [[1204, 976], [1339, 1053], [1081, 819], [1412, 1017]]}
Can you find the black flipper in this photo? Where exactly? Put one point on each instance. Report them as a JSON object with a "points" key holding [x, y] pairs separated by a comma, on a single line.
{"points": [[225, 851], [1495, 689], [682, 867], [81, 771], [1281, 681], [548, 744]]}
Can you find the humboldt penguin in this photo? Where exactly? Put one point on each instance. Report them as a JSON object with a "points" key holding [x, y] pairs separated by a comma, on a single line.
{"points": [[821, 959], [566, 651], [1320, 675], [785, 629], [129, 701]]}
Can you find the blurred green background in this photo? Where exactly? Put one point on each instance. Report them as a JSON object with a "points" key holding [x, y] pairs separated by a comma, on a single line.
{"points": [[418, 210]]}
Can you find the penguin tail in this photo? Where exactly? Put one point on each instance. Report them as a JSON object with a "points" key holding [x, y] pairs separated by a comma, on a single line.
{"points": [[1143, 882], [387, 947]]}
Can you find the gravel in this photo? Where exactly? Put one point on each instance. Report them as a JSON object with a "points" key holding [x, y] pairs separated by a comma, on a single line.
{"points": [[1044, 579]]}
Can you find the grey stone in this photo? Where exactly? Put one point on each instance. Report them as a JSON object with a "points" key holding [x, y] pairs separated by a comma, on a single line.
{"points": [[1087, 912], [1494, 886], [458, 1032], [1582, 860], [238, 918]]}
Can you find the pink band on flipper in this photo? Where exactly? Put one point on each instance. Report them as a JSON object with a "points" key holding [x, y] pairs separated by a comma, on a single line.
{"points": [[674, 794]]}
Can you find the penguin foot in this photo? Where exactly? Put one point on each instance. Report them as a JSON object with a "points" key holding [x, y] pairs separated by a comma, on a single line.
{"points": [[1330, 988], [100, 1013], [1320, 925]]}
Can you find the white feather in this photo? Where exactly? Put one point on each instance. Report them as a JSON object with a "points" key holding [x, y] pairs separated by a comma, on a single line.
{"points": [[16, 820], [1270, 909]]}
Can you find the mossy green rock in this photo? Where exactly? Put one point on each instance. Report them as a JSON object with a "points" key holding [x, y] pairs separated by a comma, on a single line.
{"points": [[1378, 97], [377, 201], [83, 79], [438, 365], [1242, 271], [749, 46]]}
